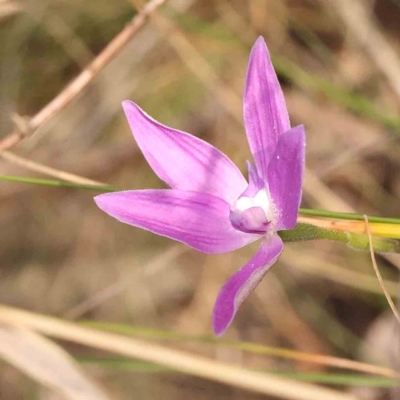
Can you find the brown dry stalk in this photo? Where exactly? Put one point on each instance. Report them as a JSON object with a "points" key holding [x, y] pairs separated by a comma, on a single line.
{"points": [[43, 169], [378, 274], [47, 363], [175, 359], [83, 79]]}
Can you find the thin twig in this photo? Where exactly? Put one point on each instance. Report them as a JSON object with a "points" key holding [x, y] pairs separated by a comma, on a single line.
{"points": [[175, 359], [378, 274], [56, 173], [84, 78]]}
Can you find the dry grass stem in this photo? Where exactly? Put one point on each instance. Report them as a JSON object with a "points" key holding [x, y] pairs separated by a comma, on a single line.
{"points": [[174, 359], [47, 363], [342, 275], [85, 77], [186, 67], [37, 167], [378, 274]]}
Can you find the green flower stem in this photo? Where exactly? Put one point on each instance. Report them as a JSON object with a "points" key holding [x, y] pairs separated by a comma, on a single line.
{"points": [[303, 232], [108, 188], [56, 183], [386, 227]]}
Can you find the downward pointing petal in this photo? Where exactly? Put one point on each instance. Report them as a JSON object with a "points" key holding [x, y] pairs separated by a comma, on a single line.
{"points": [[265, 112], [197, 219], [238, 288], [183, 161]]}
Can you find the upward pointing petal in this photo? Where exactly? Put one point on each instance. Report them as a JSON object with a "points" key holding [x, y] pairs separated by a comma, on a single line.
{"points": [[265, 112], [183, 161], [285, 176], [255, 182]]}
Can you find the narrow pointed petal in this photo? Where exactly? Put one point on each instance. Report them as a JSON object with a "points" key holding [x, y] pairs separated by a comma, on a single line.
{"points": [[255, 182], [285, 176], [240, 285], [183, 161], [199, 220], [265, 112]]}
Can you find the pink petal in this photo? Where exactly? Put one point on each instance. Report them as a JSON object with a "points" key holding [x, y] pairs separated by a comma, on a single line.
{"points": [[265, 112], [285, 176], [183, 161], [240, 285], [197, 219], [255, 182]]}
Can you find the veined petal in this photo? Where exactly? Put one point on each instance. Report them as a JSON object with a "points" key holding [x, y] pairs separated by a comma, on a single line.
{"points": [[285, 176], [240, 285], [199, 220], [183, 161], [265, 112]]}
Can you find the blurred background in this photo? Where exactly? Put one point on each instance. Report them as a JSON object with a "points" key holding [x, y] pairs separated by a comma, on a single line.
{"points": [[339, 65]]}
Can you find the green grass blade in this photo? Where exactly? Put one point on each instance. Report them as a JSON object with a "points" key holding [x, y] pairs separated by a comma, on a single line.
{"points": [[347, 216], [56, 183], [109, 188], [122, 364]]}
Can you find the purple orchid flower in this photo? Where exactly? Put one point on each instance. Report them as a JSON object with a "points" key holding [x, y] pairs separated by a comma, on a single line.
{"points": [[210, 205]]}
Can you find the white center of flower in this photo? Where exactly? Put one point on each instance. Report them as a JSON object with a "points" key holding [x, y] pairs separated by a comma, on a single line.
{"points": [[252, 214], [261, 199]]}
